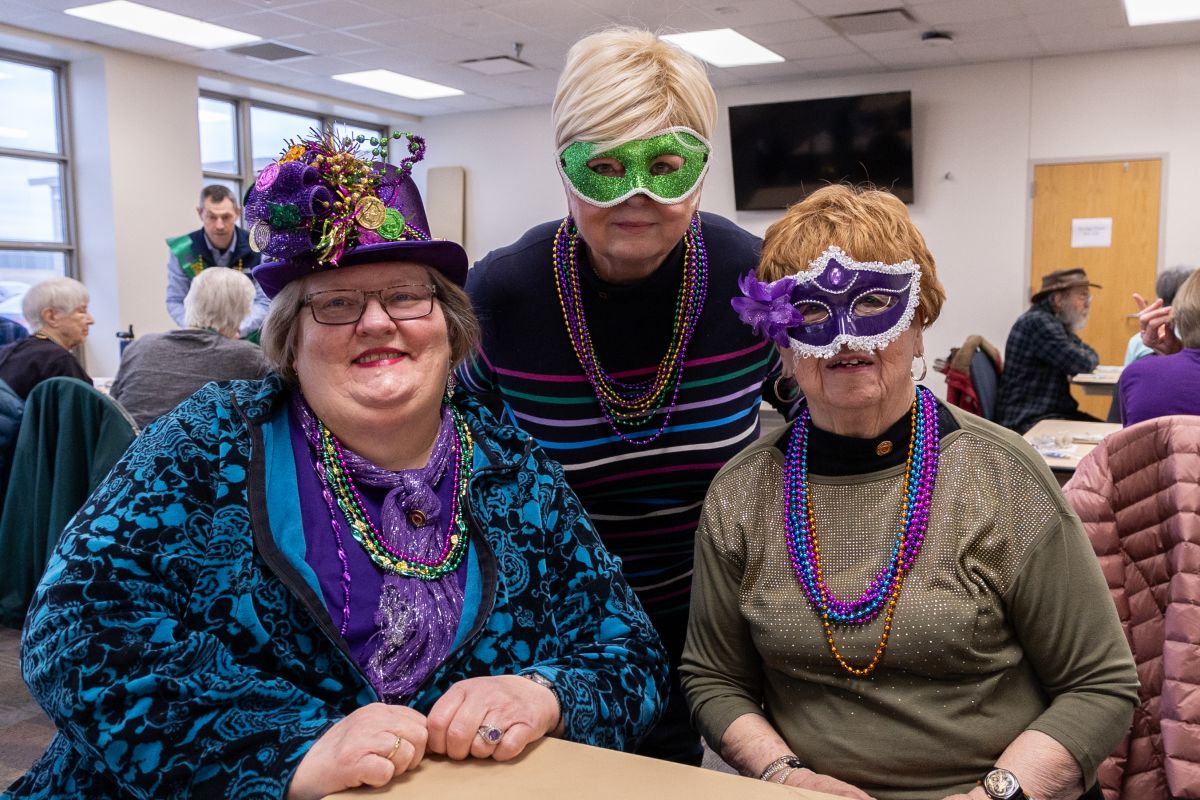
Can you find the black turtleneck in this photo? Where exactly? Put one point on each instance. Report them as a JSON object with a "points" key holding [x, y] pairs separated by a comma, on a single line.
{"points": [[836, 455]]}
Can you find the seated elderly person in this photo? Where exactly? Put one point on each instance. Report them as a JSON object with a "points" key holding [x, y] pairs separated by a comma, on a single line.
{"points": [[1044, 351], [298, 585], [929, 614], [1162, 385], [57, 310], [1165, 287], [160, 370]]}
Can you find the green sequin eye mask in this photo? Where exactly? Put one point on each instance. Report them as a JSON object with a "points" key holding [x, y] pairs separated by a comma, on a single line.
{"points": [[643, 166]]}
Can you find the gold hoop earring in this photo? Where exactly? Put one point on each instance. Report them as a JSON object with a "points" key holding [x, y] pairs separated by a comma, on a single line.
{"points": [[924, 368], [787, 398]]}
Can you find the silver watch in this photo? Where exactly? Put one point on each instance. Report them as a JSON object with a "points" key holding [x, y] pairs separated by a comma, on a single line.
{"points": [[1000, 784]]}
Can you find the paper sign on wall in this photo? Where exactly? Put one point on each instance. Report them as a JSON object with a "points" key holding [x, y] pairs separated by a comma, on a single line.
{"points": [[1091, 232]]}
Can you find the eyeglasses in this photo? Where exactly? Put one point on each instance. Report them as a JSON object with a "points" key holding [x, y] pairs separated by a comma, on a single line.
{"points": [[346, 306]]}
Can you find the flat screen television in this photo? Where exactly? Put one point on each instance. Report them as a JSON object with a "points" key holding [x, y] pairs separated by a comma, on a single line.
{"points": [[782, 152]]}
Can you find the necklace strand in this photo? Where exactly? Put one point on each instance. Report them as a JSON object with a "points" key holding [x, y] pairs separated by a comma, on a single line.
{"points": [[346, 497], [630, 405], [804, 549]]}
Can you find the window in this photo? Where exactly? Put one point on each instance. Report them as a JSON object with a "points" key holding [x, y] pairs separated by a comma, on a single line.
{"points": [[35, 198], [238, 138]]}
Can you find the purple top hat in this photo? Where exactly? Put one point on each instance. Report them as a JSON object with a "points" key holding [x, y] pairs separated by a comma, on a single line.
{"points": [[321, 205]]}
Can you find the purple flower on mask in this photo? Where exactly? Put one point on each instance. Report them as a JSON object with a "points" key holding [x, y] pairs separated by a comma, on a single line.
{"points": [[767, 307]]}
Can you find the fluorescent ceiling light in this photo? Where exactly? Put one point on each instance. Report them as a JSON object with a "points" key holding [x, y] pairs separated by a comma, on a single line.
{"points": [[162, 24], [723, 48], [1154, 12], [384, 80]]}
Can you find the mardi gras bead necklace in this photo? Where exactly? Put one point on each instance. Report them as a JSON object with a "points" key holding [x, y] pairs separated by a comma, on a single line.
{"points": [[883, 592], [629, 405], [347, 498]]}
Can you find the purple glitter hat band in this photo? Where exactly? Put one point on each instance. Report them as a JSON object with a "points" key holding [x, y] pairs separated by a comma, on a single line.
{"points": [[321, 205]]}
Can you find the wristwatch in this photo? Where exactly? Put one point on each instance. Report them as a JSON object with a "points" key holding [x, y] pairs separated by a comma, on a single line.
{"points": [[1000, 784]]}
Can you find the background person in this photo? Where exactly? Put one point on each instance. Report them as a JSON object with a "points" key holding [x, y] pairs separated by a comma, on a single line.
{"points": [[160, 370], [1044, 352], [298, 585], [930, 610], [1163, 385], [1165, 287], [57, 311], [607, 335], [219, 242]]}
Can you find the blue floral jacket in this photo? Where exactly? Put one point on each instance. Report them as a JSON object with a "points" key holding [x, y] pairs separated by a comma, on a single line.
{"points": [[180, 649]]}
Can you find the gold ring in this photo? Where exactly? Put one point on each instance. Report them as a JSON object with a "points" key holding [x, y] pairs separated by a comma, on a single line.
{"points": [[395, 747]]}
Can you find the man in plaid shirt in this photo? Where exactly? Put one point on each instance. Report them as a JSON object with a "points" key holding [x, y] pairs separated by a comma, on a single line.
{"points": [[1044, 351]]}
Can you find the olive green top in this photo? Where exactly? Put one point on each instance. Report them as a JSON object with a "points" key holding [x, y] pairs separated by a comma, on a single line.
{"points": [[1004, 623]]}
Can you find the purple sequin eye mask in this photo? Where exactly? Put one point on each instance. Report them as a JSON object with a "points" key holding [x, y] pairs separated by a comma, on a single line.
{"points": [[837, 302]]}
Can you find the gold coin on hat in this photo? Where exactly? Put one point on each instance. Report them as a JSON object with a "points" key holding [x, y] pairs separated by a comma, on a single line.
{"points": [[371, 212]]}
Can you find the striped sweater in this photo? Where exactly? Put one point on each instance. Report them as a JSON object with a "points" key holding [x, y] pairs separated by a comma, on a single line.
{"points": [[644, 499]]}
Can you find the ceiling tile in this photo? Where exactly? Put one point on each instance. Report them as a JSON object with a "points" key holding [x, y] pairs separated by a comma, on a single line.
{"points": [[267, 24], [835, 8], [796, 30], [335, 14], [919, 57], [328, 42], [549, 13], [816, 48], [948, 12], [736, 13]]}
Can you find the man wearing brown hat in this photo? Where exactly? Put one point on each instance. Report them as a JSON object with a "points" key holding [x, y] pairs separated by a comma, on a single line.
{"points": [[1043, 352]]}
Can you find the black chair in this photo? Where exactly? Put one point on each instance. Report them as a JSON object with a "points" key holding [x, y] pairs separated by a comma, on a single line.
{"points": [[986, 379], [973, 376]]}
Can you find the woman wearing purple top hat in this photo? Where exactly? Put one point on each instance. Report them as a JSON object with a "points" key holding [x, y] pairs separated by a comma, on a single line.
{"points": [[298, 585], [892, 599]]}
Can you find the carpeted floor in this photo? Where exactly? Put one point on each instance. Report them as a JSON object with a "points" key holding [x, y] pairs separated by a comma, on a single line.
{"points": [[24, 729]]}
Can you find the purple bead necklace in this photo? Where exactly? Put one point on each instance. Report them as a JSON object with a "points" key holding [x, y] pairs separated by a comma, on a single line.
{"points": [[804, 549], [627, 406]]}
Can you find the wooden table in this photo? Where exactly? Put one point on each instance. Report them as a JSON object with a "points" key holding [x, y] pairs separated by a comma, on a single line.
{"points": [[1064, 442], [551, 768], [1102, 382]]}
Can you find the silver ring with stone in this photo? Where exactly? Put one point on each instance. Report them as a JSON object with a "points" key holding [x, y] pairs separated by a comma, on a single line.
{"points": [[490, 734]]}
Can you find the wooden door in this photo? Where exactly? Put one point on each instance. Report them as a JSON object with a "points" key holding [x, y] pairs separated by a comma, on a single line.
{"points": [[1128, 194]]}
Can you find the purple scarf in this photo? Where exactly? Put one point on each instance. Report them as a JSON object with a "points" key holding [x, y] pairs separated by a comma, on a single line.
{"points": [[416, 619]]}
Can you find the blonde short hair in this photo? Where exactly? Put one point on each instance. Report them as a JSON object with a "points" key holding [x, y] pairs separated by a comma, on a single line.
{"points": [[625, 83], [219, 298], [868, 224], [281, 328], [61, 294], [1186, 311]]}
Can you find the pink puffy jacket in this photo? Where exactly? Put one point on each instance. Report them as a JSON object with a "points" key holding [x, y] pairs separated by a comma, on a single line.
{"points": [[1138, 494]]}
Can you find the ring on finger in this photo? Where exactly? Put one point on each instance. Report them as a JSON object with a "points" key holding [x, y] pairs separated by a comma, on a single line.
{"points": [[490, 733], [395, 747]]}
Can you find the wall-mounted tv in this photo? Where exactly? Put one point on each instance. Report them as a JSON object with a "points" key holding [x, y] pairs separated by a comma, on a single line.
{"points": [[782, 152]]}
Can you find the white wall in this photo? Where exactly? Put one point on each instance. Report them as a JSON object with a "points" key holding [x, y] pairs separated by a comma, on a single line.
{"points": [[137, 179], [977, 129]]}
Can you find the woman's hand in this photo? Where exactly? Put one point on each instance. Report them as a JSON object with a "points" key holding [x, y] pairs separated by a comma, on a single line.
{"points": [[521, 710], [369, 746], [807, 779], [1155, 322]]}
